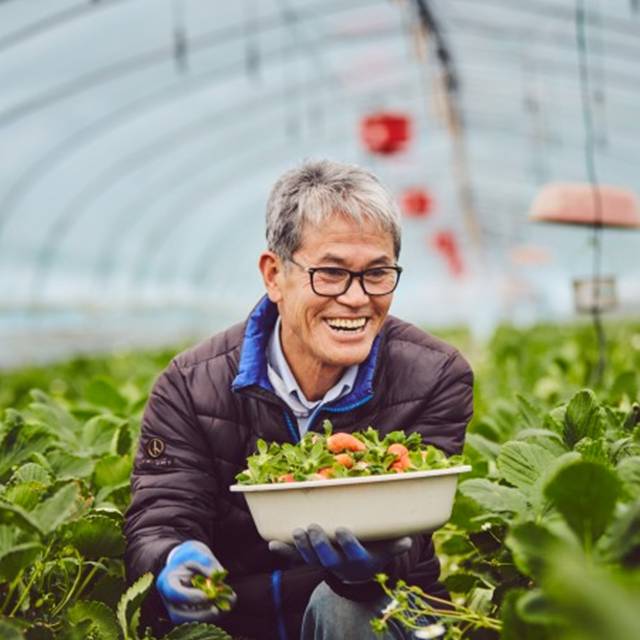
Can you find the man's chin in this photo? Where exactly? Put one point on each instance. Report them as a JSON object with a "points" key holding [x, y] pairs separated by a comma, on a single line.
{"points": [[347, 355]]}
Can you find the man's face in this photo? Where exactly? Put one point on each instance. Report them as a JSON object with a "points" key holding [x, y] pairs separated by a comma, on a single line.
{"points": [[310, 331]]}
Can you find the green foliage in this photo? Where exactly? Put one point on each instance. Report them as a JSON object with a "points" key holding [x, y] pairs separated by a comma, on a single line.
{"points": [[544, 538], [543, 541], [65, 461]]}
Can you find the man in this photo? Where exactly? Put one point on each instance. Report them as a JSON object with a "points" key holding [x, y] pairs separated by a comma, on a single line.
{"points": [[319, 345]]}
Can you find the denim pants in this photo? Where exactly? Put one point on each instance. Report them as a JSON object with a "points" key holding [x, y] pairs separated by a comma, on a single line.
{"points": [[329, 616]]}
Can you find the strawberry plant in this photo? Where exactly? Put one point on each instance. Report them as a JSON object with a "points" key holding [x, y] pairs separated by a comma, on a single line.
{"points": [[543, 541], [342, 455]]}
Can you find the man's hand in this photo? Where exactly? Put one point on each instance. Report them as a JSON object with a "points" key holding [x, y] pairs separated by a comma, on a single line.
{"points": [[184, 602], [349, 560]]}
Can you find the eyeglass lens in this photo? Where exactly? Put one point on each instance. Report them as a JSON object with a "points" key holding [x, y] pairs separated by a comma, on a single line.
{"points": [[336, 281]]}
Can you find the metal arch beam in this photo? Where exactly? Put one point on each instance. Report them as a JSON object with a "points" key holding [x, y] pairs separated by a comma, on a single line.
{"points": [[70, 213], [155, 237], [150, 58], [160, 187], [19, 188], [52, 21], [60, 151], [484, 29], [122, 167], [207, 250], [158, 231], [553, 11]]}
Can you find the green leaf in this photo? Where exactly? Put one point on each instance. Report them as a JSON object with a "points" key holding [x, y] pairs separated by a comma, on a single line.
{"points": [[122, 440], [98, 434], [67, 466], [545, 438], [531, 414], [625, 385], [485, 447], [112, 471], [197, 631], [479, 599], [10, 631], [629, 473], [102, 393], [585, 493], [534, 607], [530, 543], [18, 558], [514, 627], [53, 511], [582, 418], [493, 496], [623, 545], [108, 588], [461, 582], [595, 603], [25, 494], [55, 416], [522, 464], [129, 606], [19, 443], [95, 537], [14, 516], [104, 625], [31, 472]]}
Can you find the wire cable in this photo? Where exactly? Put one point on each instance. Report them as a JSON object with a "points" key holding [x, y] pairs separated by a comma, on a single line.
{"points": [[590, 162]]}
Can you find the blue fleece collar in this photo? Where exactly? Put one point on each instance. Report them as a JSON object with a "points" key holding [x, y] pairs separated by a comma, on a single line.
{"points": [[252, 369]]}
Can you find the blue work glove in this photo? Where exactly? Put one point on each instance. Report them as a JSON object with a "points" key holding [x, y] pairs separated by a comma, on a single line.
{"points": [[184, 602], [347, 559]]}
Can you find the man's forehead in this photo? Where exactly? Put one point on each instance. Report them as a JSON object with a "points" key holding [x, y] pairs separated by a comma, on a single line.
{"points": [[341, 228], [341, 259]]}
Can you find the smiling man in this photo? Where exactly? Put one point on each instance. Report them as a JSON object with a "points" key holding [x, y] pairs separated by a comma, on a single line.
{"points": [[319, 345]]}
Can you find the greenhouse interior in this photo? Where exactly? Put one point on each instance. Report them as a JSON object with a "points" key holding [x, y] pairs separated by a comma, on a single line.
{"points": [[499, 343]]}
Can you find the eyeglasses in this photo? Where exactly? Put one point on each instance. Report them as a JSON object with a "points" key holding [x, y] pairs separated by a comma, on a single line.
{"points": [[334, 281]]}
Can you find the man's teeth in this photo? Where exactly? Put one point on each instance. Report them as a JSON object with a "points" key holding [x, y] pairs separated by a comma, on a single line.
{"points": [[344, 323]]}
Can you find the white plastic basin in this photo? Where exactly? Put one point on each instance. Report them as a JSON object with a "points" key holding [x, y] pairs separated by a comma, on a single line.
{"points": [[374, 507]]}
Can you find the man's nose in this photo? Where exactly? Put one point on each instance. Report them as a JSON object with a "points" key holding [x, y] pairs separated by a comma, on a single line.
{"points": [[355, 295]]}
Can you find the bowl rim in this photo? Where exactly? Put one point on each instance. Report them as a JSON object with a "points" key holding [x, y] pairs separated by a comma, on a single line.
{"points": [[335, 482]]}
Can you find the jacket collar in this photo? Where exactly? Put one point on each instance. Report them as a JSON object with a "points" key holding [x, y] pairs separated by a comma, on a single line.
{"points": [[252, 368]]}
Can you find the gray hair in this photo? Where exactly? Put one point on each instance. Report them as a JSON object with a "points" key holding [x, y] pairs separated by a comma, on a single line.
{"points": [[316, 190]]}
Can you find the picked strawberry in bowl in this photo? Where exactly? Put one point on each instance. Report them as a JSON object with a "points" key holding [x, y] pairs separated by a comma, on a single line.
{"points": [[378, 487]]}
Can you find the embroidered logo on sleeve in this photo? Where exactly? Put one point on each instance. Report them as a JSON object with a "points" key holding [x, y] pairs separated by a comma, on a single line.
{"points": [[155, 447]]}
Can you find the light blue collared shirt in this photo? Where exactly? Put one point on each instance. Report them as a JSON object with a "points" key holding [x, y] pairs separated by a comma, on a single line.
{"points": [[287, 388]]}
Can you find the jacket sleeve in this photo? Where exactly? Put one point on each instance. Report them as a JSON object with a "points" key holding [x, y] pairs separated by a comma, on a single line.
{"points": [[172, 488], [448, 407], [447, 411]]}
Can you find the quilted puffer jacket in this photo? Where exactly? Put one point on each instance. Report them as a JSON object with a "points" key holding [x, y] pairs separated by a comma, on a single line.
{"points": [[203, 418]]}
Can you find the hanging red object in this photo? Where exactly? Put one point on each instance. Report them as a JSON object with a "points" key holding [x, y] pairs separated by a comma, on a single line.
{"points": [[446, 244], [416, 202], [385, 133]]}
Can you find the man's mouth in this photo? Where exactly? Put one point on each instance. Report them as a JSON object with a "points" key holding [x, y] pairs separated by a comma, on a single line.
{"points": [[352, 325]]}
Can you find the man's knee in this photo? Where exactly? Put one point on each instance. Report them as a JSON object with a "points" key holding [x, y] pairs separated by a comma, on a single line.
{"points": [[329, 615]]}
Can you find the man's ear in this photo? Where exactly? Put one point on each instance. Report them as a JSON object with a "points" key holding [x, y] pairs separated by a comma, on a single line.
{"points": [[270, 266]]}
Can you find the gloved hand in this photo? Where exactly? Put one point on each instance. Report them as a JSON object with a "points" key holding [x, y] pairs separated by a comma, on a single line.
{"points": [[348, 559], [184, 602]]}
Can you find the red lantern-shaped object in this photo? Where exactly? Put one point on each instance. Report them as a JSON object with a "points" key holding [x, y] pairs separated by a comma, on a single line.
{"points": [[385, 133], [416, 202], [445, 243]]}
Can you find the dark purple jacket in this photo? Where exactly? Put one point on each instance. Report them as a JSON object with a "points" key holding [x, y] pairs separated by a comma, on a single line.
{"points": [[203, 418]]}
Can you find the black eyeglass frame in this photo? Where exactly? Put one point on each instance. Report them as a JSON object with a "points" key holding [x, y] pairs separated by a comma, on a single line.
{"points": [[352, 274]]}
